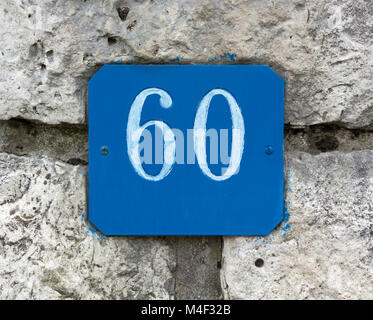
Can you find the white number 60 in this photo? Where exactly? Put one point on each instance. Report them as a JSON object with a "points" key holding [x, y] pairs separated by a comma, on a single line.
{"points": [[134, 132]]}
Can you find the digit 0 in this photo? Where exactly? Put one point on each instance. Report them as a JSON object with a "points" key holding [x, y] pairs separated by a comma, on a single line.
{"points": [[238, 135]]}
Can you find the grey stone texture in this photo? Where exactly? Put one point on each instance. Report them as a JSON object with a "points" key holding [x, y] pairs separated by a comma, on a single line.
{"points": [[198, 265], [324, 247], [49, 49], [197, 272], [322, 48], [324, 138], [68, 143], [47, 250]]}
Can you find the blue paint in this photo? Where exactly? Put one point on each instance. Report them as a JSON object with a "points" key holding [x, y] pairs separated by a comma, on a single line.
{"points": [[177, 59], [95, 233], [186, 202], [286, 81], [228, 55], [286, 217], [285, 224], [90, 228], [132, 60], [263, 240]]}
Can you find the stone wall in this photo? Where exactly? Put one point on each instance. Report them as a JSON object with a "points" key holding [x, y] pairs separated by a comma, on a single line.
{"points": [[322, 49]]}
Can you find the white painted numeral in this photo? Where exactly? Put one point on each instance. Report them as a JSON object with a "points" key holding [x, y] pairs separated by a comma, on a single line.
{"points": [[134, 132], [238, 135]]}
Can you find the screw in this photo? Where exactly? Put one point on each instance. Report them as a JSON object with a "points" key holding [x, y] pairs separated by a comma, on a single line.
{"points": [[104, 150], [268, 150]]}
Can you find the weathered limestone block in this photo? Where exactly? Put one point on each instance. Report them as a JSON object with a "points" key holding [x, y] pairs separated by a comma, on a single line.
{"points": [[327, 138], [338, 87], [47, 250], [322, 48], [324, 248], [68, 143], [198, 262]]}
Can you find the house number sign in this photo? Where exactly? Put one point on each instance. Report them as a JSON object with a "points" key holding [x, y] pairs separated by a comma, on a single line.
{"points": [[185, 150]]}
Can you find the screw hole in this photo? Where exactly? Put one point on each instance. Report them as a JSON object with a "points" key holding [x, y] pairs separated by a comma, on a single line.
{"points": [[111, 40], [131, 25], [259, 263], [123, 13], [49, 55]]}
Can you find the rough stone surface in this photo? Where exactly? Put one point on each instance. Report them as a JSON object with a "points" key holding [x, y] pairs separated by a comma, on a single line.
{"points": [[68, 143], [324, 248], [326, 138], [198, 268], [322, 48], [47, 250]]}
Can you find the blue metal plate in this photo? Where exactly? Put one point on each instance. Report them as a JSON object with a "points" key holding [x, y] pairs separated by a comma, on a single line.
{"points": [[182, 194]]}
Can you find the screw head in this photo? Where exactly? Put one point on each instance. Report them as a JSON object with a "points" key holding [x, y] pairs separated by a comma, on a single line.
{"points": [[104, 150], [268, 150]]}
